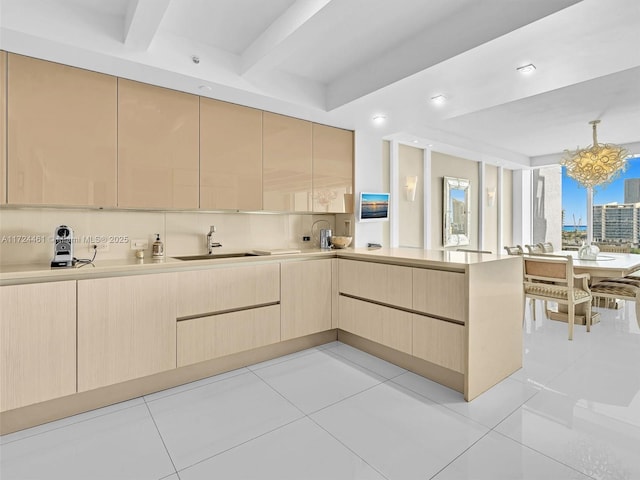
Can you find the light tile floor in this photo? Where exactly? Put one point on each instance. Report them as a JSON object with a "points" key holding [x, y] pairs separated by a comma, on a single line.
{"points": [[334, 412]]}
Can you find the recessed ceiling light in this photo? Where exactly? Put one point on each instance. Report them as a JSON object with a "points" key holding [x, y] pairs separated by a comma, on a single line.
{"points": [[416, 141], [379, 118], [527, 69], [204, 87], [439, 99], [430, 145]]}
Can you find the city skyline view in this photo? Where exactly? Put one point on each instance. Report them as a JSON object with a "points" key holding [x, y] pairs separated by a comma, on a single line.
{"points": [[574, 196]]}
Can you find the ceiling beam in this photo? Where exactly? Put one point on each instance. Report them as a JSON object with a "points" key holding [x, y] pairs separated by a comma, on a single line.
{"points": [[142, 21], [264, 49]]}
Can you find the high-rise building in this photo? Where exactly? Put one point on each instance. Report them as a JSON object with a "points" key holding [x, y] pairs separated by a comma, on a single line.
{"points": [[616, 222], [632, 190]]}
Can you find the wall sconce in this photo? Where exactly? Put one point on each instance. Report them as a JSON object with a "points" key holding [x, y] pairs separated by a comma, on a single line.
{"points": [[410, 187], [491, 196]]}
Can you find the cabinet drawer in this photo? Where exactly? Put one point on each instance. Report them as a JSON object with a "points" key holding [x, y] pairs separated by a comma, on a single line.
{"points": [[383, 325], [389, 284], [207, 291], [440, 293], [439, 342], [204, 338]]}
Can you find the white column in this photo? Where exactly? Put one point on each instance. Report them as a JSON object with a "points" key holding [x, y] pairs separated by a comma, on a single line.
{"points": [[394, 190], [522, 226], [427, 198], [499, 211], [589, 215], [481, 203]]}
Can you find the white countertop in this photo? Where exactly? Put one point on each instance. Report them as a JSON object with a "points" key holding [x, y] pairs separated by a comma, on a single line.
{"points": [[17, 274], [451, 260], [418, 257]]}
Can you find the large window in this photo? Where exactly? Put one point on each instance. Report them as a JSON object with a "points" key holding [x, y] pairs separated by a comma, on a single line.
{"points": [[616, 209]]}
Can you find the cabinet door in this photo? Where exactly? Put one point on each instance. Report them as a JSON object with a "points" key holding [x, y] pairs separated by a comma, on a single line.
{"points": [[230, 156], [439, 342], [61, 134], [207, 291], [38, 342], [306, 298], [383, 325], [3, 126], [440, 293], [287, 165], [204, 338], [332, 169], [126, 328], [390, 284], [157, 147]]}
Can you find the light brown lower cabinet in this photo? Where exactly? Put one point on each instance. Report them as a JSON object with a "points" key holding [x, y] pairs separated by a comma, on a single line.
{"points": [[384, 325], [205, 338], [38, 343], [126, 328], [306, 297], [439, 342]]}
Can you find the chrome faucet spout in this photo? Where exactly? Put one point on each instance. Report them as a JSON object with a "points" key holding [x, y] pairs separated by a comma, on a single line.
{"points": [[210, 243]]}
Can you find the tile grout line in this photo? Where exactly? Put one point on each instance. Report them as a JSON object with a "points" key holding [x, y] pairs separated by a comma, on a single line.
{"points": [[196, 387], [240, 444], [543, 454], [175, 470], [347, 447], [459, 455], [308, 416], [72, 423], [257, 436]]}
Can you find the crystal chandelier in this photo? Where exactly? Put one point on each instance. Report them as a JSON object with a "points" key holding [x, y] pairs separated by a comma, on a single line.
{"points": [[595, 165]]}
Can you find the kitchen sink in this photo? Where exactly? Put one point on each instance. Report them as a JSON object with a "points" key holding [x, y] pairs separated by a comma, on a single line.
{"points": [[214, 256]]}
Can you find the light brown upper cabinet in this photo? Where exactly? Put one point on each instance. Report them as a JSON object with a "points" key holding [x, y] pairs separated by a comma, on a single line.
{"points": [[61, 134], [230, 156], [332, 169], [287, 164], [157, 147], [3, 126]]}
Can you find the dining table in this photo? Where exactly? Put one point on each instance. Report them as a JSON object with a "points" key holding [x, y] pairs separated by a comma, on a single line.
{"points": [[606, 265]]}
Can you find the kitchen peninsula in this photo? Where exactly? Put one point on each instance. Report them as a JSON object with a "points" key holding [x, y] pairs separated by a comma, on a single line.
{"points": [[124, 329]]}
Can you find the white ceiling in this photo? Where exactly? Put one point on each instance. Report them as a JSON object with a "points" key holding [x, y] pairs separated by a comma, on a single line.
{"points": [[343, 61]]}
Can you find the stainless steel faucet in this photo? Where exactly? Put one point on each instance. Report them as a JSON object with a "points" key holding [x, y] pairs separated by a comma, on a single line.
{"points": [[210, 243]]}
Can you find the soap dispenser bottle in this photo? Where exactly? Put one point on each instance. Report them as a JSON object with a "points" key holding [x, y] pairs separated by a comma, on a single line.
{"points": [[157, 250]]}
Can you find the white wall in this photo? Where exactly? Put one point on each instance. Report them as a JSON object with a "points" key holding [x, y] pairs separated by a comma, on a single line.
{"points": [[368, 178], [410, 214]]}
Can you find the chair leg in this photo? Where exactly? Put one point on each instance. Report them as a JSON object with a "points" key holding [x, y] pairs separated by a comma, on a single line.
{"points": [[532, 302], [588, 316], [571, 319]]}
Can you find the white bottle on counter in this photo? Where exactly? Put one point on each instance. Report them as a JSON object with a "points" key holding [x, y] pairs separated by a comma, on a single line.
{"points": [[157, 250]]}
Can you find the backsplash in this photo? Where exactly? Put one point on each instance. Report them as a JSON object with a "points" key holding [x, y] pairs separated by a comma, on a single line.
{"points": [[26, 233]]}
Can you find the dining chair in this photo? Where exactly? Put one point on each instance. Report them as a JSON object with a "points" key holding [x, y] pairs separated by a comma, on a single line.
{"points": [[517, 250], [551, 278], [534, 249], [546, 247], [470, 250], [609, 248], [620, 288]]}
